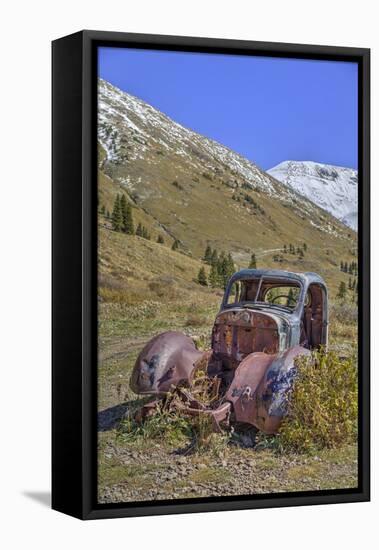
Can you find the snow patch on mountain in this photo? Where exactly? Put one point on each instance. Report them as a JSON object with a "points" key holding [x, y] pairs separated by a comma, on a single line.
{"points": [[118, 110], [142, 143], [333, 188]]}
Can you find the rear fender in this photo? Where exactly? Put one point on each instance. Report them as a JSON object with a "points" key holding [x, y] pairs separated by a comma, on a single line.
{"points": [[260, 387], [166, 361]]}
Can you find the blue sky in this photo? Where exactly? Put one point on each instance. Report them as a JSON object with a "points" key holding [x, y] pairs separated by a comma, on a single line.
{"points": [[267, 109]]}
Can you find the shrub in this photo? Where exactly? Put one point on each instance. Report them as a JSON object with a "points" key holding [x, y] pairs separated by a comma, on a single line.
{"points": [[195, 321], [147, 309], [162, 425], [206, 391], [205, 439], [163, 287], [113, 295], [202, 277], [207, 176], [322, 405], [343, 313], [177, 184]]}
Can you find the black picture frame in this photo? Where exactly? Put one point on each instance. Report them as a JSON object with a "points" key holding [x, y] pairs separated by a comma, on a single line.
{"points": [[74, 295]]}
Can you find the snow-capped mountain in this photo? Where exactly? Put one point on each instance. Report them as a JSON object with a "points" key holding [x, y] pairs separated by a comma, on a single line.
{"points": [[333, 188]]}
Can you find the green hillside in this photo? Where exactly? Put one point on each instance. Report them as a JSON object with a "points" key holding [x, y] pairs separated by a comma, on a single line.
{"points": [[207, 214]]}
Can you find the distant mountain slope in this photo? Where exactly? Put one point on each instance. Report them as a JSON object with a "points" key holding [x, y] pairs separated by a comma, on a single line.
{"points": [[333, 188], [186, 187]]}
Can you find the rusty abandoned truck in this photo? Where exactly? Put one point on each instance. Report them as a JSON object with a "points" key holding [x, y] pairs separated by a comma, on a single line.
{"points": [[267, 319]]}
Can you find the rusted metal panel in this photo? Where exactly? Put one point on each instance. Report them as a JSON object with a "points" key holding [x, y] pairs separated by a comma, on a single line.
{"points": [[242, 390], [260, 388], [166, 361], [239, 332]]}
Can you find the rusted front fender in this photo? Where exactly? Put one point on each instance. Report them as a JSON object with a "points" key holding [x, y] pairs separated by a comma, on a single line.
{"points": [[260, 387], [166, 361]]}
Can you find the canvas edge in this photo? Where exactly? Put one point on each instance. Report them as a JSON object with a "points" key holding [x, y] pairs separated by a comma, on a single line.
{"points": [[83, 502]]}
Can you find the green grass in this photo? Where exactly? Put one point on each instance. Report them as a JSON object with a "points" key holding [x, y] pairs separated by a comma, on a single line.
{"points": [[164, 425]]}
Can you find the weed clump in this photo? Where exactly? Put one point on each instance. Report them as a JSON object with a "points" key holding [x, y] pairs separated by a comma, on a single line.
{"points": [[164, 425], [344, 313], [171, 424], [322, 405], [195, 321], [206, 437]]}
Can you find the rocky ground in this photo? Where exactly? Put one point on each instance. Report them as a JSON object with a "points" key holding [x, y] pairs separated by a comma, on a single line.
{"points": [[155, 472]]}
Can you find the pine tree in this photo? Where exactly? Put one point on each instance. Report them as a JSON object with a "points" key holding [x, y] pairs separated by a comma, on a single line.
{"points": [[285, 249], [253, 262], [305, 247], [116, 215], [213, 276], [160, 239], [350, 284], [130, 222], [214, 258], [175, 245], [139, 230], [208, 255], [219, 270], [103, 210], [341, 266], [345, 267], [342, 291], [127, 216], [230, 266], [145, 233], [225, 269], [123, 212], [202, 277], [220, 265]]}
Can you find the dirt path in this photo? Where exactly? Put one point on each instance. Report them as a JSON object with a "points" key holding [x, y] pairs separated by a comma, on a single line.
{"points": [[120, 348]]}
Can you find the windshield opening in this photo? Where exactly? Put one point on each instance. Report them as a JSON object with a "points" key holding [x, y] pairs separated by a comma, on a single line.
{"points": [[262, 291]]}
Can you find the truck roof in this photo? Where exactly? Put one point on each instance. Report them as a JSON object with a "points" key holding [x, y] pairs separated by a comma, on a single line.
{"points": [[305, 278]]}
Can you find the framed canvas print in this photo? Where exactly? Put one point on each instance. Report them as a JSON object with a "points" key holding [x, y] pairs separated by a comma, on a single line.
{"points": [[210, 274]]}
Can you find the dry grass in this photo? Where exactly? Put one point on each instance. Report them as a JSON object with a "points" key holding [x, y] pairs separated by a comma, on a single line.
{"points": [[195, 321]]}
